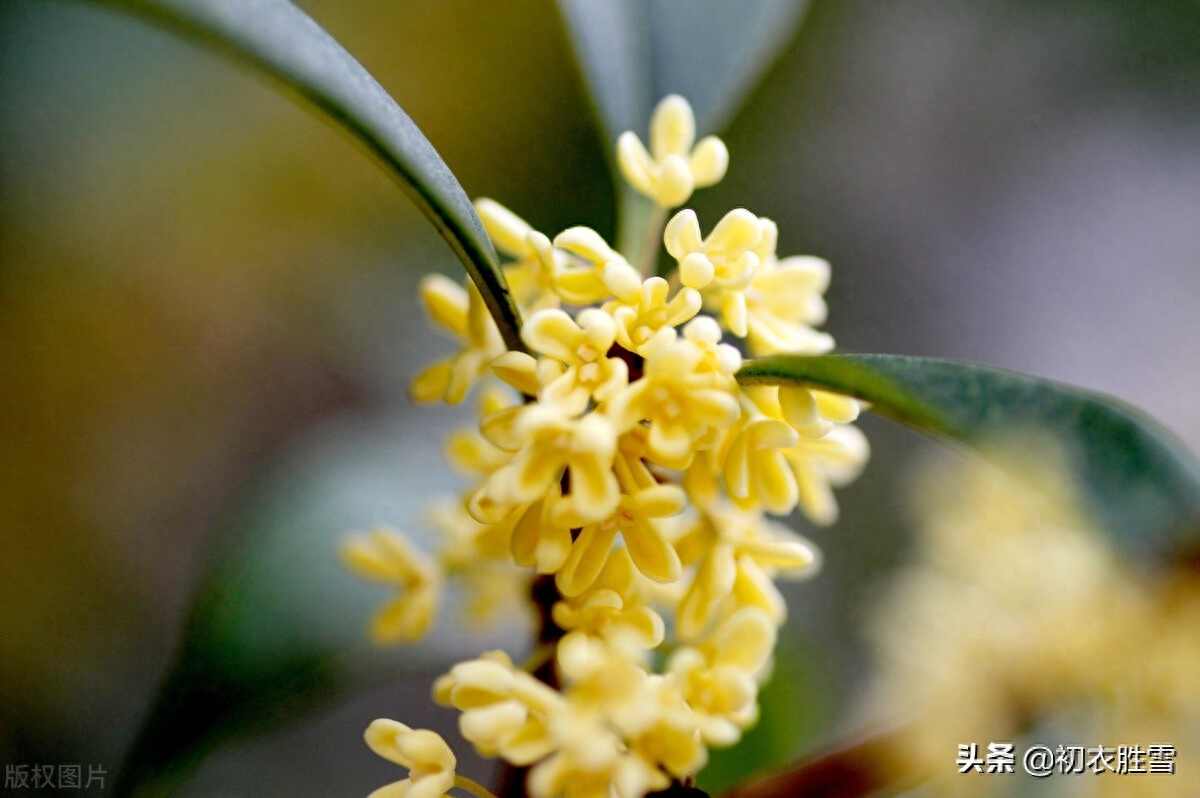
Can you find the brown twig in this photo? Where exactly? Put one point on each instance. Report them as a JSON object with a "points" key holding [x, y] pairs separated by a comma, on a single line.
{"points": [[545, 595], [858, 769]]}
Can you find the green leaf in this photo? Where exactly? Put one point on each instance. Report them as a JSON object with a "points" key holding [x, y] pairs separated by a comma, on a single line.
{"points": [[280, 40], [635, 52], [1136, 478], [278, 627]]}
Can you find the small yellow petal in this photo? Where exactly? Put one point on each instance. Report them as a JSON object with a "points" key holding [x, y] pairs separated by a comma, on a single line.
{"points": [[682, 234], [636, 164], [431, 384], [651, 552], [696, 270], [519, 370], [745, 641], [587, 243], [525, 534], [733, 310], [801, 412], [622, 280], [675, 182], [382, 735], [588, 555], [709, 161], [713, 582], [405, 619], [737, 232], [838, 409], [509, 231], [754, 588], [672, 127], [446, 303], [659, 501], [426, 750], [553, 333], [774, 483], [594, 490]]}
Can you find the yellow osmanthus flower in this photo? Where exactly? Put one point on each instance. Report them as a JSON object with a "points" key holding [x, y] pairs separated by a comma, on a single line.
{"points": [[672, 168], [619, 475], [725, 262], [784, 301], [719, 359], [669, 735], [384, 555], [719, 678], [1065, 635], [681, 401], [477, 557], [649, 312], [576, 367], [430, 761], [553, 442], [505, 710], [634, 519], [539, 538], [603, 613], [614, 608], [725, 258], [590, 761], [605, 271], [529, 532], [769, 464], [468, 450], [460, 312], [621, 728], [531, 278], [736, 554], [756, 472]]}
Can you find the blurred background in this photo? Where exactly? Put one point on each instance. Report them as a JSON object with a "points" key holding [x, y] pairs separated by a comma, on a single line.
{"points": [[204, 290]]}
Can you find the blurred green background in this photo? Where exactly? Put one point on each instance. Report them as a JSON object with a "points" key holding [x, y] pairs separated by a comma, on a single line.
{"points": [[201, 283]]}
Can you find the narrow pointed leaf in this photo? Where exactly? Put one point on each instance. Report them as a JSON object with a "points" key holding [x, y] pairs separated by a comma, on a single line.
{"points": [[281, 41], [1137, 479], [634, 52]]}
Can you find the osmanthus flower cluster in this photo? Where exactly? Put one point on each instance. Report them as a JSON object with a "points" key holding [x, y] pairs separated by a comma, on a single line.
{"points": [[1067, 640], [619, 461]]}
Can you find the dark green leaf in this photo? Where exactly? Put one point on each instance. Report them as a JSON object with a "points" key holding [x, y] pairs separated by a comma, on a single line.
{"points": [[634, 52], [1138, 480], [279, 39]]}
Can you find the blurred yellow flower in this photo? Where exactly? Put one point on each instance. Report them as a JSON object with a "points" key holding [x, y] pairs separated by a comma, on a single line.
{"points": [[1018, 616], [460, 312], [385, 555]]}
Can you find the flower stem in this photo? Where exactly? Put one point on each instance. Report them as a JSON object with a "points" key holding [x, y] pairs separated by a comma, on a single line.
{"points": [[648, 253], [472, 786], [536, 661], [545, 595]]}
